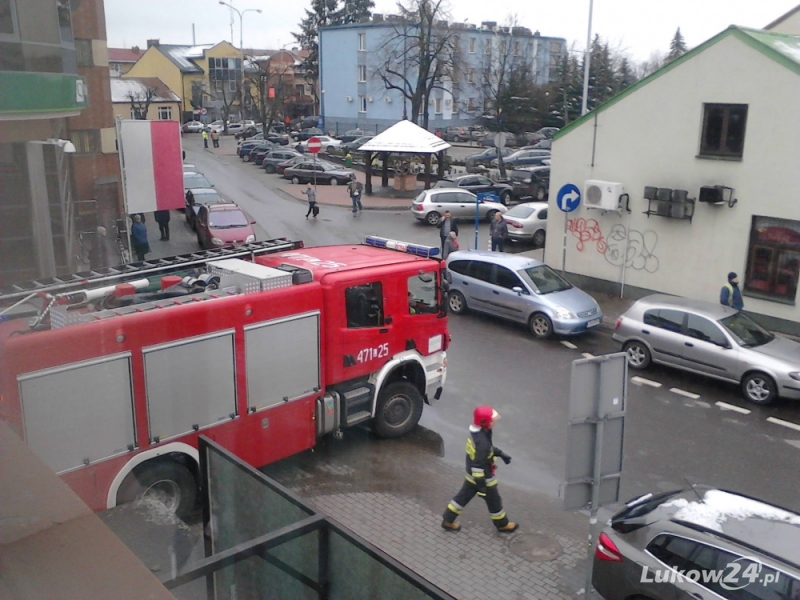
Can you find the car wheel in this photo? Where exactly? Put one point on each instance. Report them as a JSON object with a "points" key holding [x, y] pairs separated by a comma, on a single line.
{"points": [[269, 168], [433, 218], [398, 409], [457, 303], [540, 193], [165, 481], [538, 238], [505, 198], [334, 181], [759, 388], [295, 180], [541, 326], [329, 149], [456, 139], [246, 158], [638, 355], [490, 215]]}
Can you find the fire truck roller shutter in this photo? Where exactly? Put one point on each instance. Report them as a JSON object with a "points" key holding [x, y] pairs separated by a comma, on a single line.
{"points": [[79, 413], [282, 360]]}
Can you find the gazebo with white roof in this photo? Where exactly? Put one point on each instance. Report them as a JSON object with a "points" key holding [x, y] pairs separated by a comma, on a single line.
{"points": [[403, 137]]}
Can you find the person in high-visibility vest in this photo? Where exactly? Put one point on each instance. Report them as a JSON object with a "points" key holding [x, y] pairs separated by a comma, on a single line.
{"points": [[205, 138]]}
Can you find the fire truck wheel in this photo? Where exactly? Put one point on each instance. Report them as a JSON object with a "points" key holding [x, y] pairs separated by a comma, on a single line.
{"points": [[166, 482], [398, 411]]}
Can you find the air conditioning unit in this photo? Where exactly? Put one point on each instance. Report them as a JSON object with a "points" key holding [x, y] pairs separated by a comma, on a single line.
{"points": [[349, 98], [388, 100], [603, 195], [712, 194], [369, 98]]}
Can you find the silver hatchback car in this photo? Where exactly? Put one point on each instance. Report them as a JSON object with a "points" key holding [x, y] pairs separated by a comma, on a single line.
{"points": [[712, 340], [430, 205], [520, 289]]}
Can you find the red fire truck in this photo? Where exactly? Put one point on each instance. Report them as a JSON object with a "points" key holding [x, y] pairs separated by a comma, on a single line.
{"points": [[110, 376]]}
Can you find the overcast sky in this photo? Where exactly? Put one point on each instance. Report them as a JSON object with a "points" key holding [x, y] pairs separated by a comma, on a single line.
{"points": [[638, 27]]}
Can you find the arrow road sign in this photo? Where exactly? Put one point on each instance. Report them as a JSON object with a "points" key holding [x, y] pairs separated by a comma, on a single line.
{"points": [[569, 197], [314, 145]]}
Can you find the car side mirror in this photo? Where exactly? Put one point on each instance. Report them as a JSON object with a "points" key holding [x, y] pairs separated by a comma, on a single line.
{"points": [[517, 289], [252, 222]]}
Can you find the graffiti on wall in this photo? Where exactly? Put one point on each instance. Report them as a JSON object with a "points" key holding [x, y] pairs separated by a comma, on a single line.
{"points": [[641, 245]]}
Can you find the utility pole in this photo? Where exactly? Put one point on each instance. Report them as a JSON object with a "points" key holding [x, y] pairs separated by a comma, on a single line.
{"points": [[241, 49], [586, 61]]}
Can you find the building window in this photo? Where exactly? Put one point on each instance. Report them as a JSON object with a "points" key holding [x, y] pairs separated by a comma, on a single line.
{"points": [[165, 113], [87, 141], [65, 20], [115, 69], [364, 305], [516, 48], [487, 46], [221, 70], [7, 17], [471, 104], [83, 53], [362, 42], [723, 130], [773, 259], [471, 76], [362, 104], [437, 106], [472, 42], [362, 73], [503, 47]]}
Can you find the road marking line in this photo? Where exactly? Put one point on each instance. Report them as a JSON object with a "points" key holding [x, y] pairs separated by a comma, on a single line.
{"points": [[681, 392], [794, 426], [734, 408], [569, 345], [644, 381], [587, 355]]}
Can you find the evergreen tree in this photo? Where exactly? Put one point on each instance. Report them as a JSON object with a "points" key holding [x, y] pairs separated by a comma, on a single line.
{"points": [[677, 47], [625, 75], [565, 102]]}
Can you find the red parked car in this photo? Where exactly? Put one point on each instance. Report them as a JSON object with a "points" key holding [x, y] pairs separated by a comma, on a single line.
{"points": [[223, 224]]}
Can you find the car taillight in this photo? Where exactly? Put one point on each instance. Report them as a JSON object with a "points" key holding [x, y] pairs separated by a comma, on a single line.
{"points": [[607, 550], [618, 323], [513, 224], [418, 207]]}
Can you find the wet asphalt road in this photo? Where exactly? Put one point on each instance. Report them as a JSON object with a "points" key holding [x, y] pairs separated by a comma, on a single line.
{"points": [[670, 438]]}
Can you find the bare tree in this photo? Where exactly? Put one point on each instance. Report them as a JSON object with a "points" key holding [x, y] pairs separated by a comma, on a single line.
{"points": [[141, 101], [272, 80], [419, 54]]}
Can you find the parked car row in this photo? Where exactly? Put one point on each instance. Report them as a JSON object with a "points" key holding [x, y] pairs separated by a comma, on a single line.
{"points": [[217, 222], [298, 167]]}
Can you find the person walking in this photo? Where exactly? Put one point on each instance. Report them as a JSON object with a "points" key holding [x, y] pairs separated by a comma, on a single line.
{"points": [[446, 225], [139, 237], [480, 476], [498, 230], [215, 138], [312, 200], [450, 245], [730, 294], [354, 188], [348, 160], [162, 218], [205, 138]]}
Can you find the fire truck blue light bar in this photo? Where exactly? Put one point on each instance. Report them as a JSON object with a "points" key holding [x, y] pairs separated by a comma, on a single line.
{"points": [[415, 249]]}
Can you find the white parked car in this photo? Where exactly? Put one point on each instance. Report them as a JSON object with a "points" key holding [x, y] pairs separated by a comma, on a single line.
{"points": [[527, 222], [431, 204], [192, 127], [328, 143]]}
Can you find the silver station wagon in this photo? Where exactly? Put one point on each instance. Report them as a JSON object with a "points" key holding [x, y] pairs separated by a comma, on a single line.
{"points": [[520, 289], [713, 340]]}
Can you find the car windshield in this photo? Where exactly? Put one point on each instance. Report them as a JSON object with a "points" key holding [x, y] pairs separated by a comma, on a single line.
{"points": [[745, 331], [205, 197], [195, 180], [444, 183], [521, 212], [225, 219], [546, 280]]}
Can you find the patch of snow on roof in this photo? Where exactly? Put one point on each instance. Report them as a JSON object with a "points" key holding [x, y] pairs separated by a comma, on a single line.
{"points": [[718, 507], [790, 50], [405, 136]]}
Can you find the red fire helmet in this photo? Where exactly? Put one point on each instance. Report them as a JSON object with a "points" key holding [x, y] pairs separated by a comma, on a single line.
{"points": [[484, 416]]}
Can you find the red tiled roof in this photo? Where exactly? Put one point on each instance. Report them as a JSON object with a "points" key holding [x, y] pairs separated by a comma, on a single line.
{"points": [[124, 54]]}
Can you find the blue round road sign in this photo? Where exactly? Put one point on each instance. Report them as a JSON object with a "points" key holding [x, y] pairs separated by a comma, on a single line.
{"points": [[569, 197]]}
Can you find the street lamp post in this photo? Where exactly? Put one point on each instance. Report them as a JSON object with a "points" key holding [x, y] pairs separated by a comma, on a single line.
{"points": [[241, 50]]}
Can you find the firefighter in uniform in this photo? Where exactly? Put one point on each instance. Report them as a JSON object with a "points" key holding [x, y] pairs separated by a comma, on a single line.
{"points": [[480, 478]]}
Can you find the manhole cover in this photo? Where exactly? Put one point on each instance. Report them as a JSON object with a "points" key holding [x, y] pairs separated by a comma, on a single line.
{"points": [[535, 547]]}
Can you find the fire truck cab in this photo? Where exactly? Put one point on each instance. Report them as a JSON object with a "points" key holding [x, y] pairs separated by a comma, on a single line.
{"points": [[114, 374]]}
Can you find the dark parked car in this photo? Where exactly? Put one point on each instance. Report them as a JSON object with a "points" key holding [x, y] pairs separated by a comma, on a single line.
{"points": [[308, 122], [277, 156], [464, 133], [478, 184], [356, 143], [195, 199], [247, 150], [701, 543], [351, 135], [524, 157], [281, 139], [318, 171], [530, 182], [541, 145], [305, 134], [485, 158], [488, 139]]}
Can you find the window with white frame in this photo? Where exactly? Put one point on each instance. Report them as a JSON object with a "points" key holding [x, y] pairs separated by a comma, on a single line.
{"points": [[471, 104], [362, 73], [362, 104], [471, 76], [487, 46], [362, 42], [472, 43], [516, 48], [165, 113], [437, 105]]}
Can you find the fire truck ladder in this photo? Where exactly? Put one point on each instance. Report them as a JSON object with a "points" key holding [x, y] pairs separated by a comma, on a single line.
{"points": [[20, 292]]}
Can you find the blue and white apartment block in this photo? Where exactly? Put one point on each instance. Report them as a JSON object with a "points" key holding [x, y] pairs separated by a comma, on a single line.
{"points": [[354, 95]]}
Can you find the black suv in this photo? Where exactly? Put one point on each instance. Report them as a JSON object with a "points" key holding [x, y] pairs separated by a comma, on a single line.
{"points": [[530, 182], [478, 184]]}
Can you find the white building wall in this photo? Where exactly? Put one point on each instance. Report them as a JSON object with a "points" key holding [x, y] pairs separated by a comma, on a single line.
{"points": [[652, 137]]}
